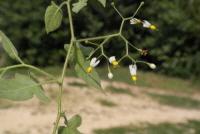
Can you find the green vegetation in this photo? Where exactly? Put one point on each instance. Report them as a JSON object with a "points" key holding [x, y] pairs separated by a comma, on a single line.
{"points": [[173, 48], [106, 102], [192, 127], [177, 101]]}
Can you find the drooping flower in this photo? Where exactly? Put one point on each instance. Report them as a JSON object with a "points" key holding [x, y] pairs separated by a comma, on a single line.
{"points": [[93, 63], [146, 24], [135, 21], [133, 69], [110, 75], [113, 61]]}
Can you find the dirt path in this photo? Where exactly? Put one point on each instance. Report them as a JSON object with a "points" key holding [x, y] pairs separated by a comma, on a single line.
{"points": [[36, 117]]}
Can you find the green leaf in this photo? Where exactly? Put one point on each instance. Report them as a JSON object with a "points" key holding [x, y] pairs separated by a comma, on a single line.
{"points": [[103, 2], [86, 50], [79, 5], [40, 92], [20, 89], [80, 65], [60, 129], [75, 121], [68, 130], [53, 17], [8, 46]]}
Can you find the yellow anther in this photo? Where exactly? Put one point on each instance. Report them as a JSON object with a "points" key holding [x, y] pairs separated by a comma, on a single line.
{"points": [[115, 63], [139, 21], [134, 78], [152, 27], [89, 70]]}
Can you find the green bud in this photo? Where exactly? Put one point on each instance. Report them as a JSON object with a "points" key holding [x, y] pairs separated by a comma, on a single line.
{"points": [[112, 4], [142, 3], [86, 42]]}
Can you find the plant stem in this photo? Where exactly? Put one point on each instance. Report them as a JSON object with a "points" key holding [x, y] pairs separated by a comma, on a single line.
{"points": [[29, 66], [96, 38], [64, 70]]}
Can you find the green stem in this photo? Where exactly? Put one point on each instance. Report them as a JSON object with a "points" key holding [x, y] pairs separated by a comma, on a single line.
{"points": [[142, 3], [28, 66], [120, 31], [117, 11], [98, 47], [96, 38], [64, 70]]}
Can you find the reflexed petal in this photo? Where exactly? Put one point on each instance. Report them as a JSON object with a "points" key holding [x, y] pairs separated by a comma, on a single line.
{"points": [[146, 24], [111, 59], [133, 69], [93, 61], [134, 21], [95, 64]]}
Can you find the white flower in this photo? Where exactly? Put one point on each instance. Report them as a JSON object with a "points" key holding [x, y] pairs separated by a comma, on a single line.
{"points": [[135, 21], [110, 75], [113, 61], [146, 24], [133, 69], [152, 66], [94, 63]]}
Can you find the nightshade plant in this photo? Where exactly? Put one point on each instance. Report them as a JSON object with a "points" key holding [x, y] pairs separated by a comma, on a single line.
{"points": [[79, 57]]}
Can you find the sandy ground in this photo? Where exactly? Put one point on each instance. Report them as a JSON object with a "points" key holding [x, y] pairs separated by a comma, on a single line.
{"points": [[37, 117]]}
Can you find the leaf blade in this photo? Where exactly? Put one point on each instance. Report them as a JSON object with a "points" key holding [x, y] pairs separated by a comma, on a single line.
{"points": [[79, 5], [20, 89], [103, 2], [80, 65], [8, 46], [53, 17], [75, 121]]}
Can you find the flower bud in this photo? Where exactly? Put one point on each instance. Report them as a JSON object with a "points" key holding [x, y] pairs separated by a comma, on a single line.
{"points": [[152, 66], [110, 75], [112, 4]]}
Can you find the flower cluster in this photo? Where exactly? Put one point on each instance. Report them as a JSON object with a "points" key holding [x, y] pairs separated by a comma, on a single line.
{"points": [[145, 23], [112, 60]]}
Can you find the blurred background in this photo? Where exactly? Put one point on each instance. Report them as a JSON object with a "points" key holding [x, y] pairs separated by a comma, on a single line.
{"points": [[173, 87], [174, 48]]}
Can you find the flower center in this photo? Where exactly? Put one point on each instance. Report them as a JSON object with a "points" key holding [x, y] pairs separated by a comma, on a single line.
{"points": [[152, 27], [115, 63], [89, 69], [134, 78]]}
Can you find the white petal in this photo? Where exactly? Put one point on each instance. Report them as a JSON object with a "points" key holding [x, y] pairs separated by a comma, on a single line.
{"points": [[111, 59], [146, 24], [133, 69], [133, 21], [130, 68], [93, 61], [95, 64]]}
